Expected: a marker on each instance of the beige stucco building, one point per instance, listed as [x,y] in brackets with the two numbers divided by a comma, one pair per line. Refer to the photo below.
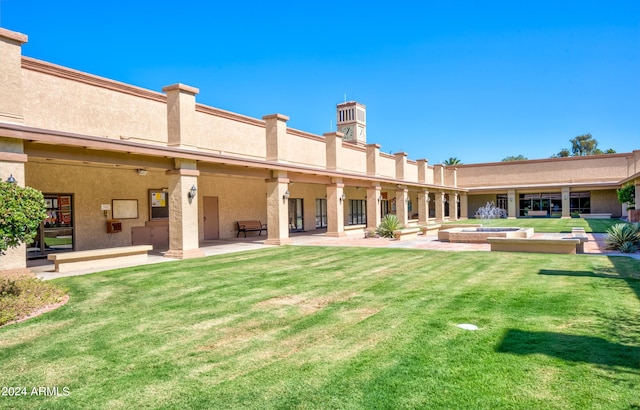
[121,165]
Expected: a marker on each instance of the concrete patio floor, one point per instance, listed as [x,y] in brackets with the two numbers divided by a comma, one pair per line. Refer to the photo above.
[44,269]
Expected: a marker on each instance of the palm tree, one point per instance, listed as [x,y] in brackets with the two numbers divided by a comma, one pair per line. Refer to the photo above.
[452,161]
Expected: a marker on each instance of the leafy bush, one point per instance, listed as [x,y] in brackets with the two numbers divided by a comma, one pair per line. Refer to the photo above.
[627,194]
[623,237]
[388,224]
[21,212]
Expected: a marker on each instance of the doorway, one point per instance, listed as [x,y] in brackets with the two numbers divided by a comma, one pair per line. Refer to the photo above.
[296,215]
[211,218]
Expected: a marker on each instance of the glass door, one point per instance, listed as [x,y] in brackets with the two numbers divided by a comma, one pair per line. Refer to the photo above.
[56,233]
[296,215]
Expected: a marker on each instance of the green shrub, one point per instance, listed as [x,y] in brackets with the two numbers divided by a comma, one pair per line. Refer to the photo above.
[623,237]
[21,212]
[388,224]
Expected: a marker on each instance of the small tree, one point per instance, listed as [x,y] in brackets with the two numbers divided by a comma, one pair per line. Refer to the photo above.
[514,158]
[21,212]
[452,161]
[584,145]
[627,194]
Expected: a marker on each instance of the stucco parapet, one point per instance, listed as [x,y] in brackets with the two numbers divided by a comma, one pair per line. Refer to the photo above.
[303,134]
[13,36]
[217,112]
[548,160]
[355,147]
[335,134]
[373,146]
[279,117]
[400,154]
[181,87]
[43,67]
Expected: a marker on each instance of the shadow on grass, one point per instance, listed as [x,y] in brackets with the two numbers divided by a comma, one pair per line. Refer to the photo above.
[585,349]
[624,268]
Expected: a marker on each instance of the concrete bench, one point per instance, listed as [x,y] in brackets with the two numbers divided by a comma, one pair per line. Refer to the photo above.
[603,215]
[430,229]
[580,234]
[406,233]
[537,213]
[68,261]
[537,245]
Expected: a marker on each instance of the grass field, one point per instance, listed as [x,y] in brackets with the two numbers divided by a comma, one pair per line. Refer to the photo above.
[329,327]
[549,224]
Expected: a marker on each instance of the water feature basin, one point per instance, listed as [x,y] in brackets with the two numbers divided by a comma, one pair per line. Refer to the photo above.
[480,235]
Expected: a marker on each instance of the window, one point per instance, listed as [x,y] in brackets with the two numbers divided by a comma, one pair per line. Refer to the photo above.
[580,203]
[357,212]
[321,213]
[56,233]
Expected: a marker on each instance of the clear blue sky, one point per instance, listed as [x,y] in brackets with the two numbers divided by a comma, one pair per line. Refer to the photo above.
[476,80]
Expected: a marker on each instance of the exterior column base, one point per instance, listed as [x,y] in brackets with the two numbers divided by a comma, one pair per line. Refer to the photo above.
[336,234]
[565,217]
[278,241]
[184,254]
[511,217]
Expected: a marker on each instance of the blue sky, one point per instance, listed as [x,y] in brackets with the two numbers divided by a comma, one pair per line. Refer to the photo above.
[476,80]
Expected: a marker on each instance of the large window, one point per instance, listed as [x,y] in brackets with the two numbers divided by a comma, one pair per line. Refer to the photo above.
[543,204]
[580,203]
[357,212]
[321,213]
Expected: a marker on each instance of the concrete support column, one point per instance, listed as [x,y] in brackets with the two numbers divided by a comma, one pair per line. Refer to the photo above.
[401,165]
[373,153]
[423,207]
[11,91]
[181,116]
[566,202]
[373,206]
[453,206]
[439,206]
[278,209]
[183,211]
[424,176]
[402,197]
[438,174]
[335,208]
[12,160]
[333,143]
[512,212]
[464,206]
[276,137]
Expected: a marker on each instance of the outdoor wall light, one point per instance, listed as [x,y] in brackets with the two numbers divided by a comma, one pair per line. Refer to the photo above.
[192,193]
[427,198]
[142,172]
[407,199]
[565,197]
[379,198]
[286,195]
[342,198]
[11,179]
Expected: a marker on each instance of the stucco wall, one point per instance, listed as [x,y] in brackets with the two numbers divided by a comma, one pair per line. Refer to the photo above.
[239,199]
[225,136]
[64,105]
[306,151]
[557,170]
[354,159]
[606,201]
[91,187]
[411,172]
[386,166]
[477,201]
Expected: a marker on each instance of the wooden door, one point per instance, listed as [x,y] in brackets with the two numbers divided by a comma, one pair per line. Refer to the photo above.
[211,218]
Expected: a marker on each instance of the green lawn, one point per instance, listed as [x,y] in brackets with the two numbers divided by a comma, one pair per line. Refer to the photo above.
[549,224]
[328,327]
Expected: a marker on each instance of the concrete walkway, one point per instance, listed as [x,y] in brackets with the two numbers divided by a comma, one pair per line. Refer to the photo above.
[44,268]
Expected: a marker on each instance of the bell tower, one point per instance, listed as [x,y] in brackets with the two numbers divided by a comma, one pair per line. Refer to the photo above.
[352,121]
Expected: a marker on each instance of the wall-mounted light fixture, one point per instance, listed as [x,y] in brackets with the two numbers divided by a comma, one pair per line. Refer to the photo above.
[142,172]
[566,197]
[510,199]
[286,195]
[407,199]
[379,198]
[427,198]
[11,179]
[192,193]
[342,198]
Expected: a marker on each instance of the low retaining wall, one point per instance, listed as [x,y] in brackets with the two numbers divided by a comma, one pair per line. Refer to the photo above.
[560,246]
